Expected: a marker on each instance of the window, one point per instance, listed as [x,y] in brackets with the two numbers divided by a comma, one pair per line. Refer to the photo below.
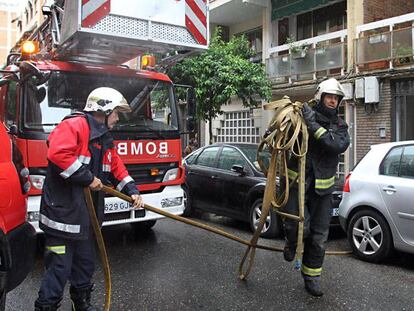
[407,162]
[11,104]
[191,158]
[317,22]
[391,164]
[207,157]
[229,157]
[237,127]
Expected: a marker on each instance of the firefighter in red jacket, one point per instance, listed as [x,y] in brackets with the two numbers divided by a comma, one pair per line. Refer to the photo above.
[81,154]
[328,138]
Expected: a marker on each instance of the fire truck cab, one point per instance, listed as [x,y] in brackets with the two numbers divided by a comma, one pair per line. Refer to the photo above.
[82,46]
[17,237]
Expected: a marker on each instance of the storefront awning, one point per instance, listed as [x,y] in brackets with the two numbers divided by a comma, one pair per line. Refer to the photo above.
[283,8]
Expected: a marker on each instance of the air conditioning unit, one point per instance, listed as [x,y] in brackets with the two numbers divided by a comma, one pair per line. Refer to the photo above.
[359,88]
[371,90]
[367,89]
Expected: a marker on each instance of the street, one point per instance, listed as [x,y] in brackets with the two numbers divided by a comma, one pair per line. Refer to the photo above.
[178,267]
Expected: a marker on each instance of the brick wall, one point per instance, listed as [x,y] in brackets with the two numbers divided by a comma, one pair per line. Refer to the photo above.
[367,125]
[380,9]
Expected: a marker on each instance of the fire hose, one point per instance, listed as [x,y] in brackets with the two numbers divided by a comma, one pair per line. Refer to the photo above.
[287,133]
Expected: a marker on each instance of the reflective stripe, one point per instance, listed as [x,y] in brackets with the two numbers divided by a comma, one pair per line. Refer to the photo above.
[123,182]
[324,183]
[84,159]
[292,174]
[90,7]
[58,225]
[60,250]
[310,271]
[319,132]
[71,169]
[106,167]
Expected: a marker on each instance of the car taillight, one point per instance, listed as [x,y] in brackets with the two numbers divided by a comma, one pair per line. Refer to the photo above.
[347,188]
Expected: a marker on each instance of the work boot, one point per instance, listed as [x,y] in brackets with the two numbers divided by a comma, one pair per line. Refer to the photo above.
[47,307]
[289,252]
[313,285]
[81,299]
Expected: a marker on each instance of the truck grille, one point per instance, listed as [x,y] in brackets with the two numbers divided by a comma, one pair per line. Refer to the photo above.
[124,215]
[141,173]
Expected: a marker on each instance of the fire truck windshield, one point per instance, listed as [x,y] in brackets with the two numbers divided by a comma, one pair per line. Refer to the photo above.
[152,102]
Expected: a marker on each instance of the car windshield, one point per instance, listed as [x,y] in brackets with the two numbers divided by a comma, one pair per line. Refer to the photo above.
[152,102]
[250,151]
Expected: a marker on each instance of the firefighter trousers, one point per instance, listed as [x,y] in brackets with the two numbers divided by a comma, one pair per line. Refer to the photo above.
[66,260]
[318,214]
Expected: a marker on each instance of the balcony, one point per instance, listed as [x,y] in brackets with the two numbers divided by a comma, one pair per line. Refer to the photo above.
[308,59]
[385,44]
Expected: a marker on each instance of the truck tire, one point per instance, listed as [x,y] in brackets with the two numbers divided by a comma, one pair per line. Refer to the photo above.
[272,226]
[144,225]
[370,236]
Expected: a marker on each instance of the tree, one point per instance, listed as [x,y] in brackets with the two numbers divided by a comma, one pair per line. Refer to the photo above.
[224,70]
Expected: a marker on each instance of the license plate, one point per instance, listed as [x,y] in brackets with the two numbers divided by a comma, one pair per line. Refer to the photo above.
[116,206]
[335,211]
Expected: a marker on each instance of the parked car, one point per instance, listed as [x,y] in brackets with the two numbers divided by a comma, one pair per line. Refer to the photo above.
[377,209]
[17,237]
[225,179]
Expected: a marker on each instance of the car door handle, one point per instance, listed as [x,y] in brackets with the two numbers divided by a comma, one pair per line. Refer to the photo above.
[214,177]
[389,188]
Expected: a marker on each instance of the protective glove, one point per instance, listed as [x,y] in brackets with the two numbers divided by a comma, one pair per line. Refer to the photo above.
[308,114]
[310,118]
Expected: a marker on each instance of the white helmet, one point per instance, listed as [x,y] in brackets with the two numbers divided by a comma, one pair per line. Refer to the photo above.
[106,99]
[330,86]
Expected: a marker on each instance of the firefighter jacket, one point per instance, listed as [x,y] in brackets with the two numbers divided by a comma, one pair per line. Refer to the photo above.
[79,149]
[328,138]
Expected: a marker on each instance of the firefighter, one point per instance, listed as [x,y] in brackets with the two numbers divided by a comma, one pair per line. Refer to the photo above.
[81,154]
[328,138]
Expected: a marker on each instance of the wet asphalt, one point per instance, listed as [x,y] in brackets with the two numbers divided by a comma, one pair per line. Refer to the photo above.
[178,267]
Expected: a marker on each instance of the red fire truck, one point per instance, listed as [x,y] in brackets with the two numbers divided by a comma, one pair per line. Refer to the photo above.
[83,45]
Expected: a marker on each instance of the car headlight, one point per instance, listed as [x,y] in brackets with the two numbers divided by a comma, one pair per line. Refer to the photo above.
[171,174]
[37,181]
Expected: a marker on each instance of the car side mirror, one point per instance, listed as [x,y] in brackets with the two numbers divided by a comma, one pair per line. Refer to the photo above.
[239,169]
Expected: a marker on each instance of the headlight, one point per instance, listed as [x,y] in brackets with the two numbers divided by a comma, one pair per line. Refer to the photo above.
[171,175]
[37,181]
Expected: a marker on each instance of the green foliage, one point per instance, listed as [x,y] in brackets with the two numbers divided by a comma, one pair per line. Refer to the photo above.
[224,70]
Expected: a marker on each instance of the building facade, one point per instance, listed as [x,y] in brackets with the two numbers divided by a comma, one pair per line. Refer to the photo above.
[367,45]
[8,31]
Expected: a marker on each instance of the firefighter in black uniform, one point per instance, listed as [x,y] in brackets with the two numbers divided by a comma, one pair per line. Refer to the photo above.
[328,138]
[81,154]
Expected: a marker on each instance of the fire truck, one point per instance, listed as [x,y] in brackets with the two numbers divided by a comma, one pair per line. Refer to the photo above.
[83,45]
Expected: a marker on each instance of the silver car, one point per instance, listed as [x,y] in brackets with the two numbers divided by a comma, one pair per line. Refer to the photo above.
[377,207]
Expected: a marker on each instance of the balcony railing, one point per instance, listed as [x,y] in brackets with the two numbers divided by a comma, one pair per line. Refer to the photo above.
[304,59]
[379,45]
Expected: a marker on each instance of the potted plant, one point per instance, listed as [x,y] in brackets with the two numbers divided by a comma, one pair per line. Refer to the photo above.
[403,54]
[297,51]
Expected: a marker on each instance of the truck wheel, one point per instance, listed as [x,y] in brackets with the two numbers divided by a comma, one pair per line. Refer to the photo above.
[369,236]
[144,225]
[188,209]
[271,227]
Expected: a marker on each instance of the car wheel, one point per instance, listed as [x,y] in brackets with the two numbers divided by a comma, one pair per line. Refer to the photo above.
[271,227]
[370,236]
[188,208]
